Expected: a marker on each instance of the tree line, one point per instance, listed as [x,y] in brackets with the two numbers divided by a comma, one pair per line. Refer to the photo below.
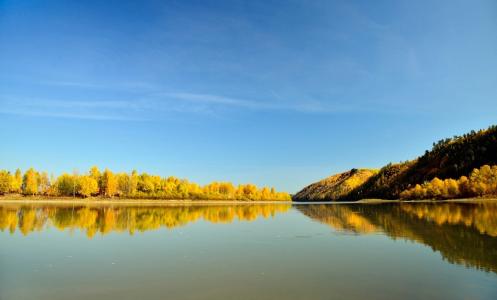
[481,182]
[128,185]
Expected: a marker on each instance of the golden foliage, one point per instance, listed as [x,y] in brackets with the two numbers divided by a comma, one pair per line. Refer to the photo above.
[87,186]
[5,181]
[30,182]
[109,183]
[481,182]
[134,185]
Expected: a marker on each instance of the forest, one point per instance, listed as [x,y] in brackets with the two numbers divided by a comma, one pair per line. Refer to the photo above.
[128,185]
[481,182]
[449,158]
[455,167]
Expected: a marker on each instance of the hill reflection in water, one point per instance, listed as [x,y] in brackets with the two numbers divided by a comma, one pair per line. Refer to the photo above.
[463,233]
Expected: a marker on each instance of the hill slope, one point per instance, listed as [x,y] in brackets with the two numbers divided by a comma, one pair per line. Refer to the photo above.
[449,158]
[334,187]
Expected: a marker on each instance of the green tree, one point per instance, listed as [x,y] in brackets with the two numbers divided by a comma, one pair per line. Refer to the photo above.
[65,184]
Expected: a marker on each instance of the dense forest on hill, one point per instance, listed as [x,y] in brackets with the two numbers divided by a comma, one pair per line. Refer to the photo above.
[132,185]
[450,158]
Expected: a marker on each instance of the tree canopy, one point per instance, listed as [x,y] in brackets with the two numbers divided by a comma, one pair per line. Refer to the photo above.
[481,182]
[130,185]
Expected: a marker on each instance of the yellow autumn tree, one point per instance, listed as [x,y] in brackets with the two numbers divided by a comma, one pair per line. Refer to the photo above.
[88,186]
[30,182]
[109,183]
[16,182]
[123,184]
[95,174]
[5,181]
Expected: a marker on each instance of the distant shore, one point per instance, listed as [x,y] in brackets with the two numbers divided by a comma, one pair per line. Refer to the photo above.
[373,201]
[428,200]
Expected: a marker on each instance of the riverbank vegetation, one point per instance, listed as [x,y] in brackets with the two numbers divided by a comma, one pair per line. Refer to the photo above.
[481,182]
[128,185]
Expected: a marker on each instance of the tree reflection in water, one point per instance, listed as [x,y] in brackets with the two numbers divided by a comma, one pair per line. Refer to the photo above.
[101,219]
[463,233]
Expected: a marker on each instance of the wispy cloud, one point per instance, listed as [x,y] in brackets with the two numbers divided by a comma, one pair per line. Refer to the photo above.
[216,100]
[69,109]
[151,101]
[85,104]
[83,116]
[123,85]
[162,105]
[307,106]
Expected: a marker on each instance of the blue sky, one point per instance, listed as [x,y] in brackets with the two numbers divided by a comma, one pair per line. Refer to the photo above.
[280,93]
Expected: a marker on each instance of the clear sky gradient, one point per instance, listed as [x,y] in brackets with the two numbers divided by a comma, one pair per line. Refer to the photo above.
[279,93]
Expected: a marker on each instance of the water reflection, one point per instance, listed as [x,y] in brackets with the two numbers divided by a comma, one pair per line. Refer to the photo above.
[464,233]
[98,219]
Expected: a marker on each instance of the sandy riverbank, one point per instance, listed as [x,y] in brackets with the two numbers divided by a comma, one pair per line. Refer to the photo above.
[120,201]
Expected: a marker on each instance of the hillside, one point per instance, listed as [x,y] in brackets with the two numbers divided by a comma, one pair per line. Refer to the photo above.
[449,158]
[335,187]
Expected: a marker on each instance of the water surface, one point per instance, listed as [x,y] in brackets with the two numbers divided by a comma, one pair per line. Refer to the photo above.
[264,251]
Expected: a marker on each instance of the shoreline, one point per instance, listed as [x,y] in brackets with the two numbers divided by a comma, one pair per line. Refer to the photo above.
[128,202]
[6,200]
[380,201]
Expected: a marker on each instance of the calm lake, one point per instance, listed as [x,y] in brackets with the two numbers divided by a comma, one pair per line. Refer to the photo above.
[250,251]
